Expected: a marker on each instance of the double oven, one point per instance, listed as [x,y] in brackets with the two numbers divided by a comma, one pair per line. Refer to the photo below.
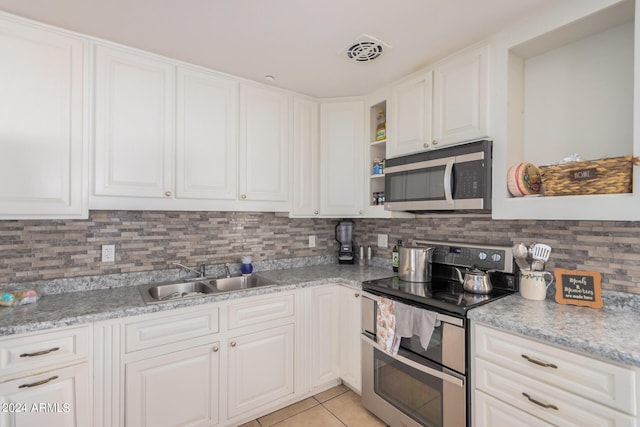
[429,387]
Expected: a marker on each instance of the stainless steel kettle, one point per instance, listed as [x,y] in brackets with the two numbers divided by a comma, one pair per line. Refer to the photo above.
[475,281]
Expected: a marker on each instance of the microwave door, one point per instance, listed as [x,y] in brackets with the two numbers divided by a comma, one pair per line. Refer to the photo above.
[421,185]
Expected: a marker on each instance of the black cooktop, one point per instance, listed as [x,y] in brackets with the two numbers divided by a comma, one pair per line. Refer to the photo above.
[443,295]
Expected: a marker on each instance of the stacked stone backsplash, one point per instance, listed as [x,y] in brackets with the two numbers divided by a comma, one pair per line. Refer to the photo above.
[609,247]
[150,240]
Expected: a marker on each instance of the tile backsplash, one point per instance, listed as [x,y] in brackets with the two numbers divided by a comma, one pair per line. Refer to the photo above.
[609,247]
[151,240]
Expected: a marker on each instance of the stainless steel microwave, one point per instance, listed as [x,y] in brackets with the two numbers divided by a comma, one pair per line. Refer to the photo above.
[456,178]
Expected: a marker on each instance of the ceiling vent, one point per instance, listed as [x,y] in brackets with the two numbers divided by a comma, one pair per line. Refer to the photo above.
[365,48]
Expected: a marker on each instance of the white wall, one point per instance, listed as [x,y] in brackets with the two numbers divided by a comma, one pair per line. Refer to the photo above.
[573,105]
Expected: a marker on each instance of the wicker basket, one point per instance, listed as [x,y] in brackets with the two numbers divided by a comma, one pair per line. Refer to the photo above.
[604,176]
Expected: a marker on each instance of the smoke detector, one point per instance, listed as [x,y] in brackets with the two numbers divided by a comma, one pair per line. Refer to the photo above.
[364,49]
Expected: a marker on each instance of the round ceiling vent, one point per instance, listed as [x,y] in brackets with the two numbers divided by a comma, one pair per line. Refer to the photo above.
[364,51]
[365,48]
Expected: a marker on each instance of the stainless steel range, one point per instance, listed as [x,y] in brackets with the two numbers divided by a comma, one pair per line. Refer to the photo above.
[428,387]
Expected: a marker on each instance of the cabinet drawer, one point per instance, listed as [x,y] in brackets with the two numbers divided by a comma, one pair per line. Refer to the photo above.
[170,329]
[260,310]
[491,412]
[552,404]
[34,352]
[592,379]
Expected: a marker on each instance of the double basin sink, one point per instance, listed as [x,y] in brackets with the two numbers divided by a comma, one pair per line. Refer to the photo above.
[193,288]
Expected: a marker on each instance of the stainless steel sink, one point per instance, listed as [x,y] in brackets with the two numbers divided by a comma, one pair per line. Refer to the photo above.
[162,292]
[235,283]
[171,291]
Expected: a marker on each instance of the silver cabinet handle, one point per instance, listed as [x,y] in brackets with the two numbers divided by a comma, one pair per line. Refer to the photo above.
[39,382]
[539,362]
[233,343]
[316,212]
[537,402]
[215,349]
[40,353]
[425,145]
[434,142]
[357,295]
[167,193]
[243,196]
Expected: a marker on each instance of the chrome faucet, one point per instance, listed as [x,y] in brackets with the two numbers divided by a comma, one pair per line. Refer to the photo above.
[200,271]
[226,270]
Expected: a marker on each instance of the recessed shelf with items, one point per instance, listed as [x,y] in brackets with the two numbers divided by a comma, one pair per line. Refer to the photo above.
[563,84]
[377,153]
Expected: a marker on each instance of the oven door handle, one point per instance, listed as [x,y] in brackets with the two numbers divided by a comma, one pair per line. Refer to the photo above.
[422,368]
[441,317]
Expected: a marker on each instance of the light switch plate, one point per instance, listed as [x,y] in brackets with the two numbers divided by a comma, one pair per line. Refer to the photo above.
[383,240]
[108,253]
[312,241]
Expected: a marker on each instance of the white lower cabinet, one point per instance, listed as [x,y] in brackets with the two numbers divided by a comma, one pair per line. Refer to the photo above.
[350,329]
[44,379]
[56,398]
[175,389]
[325,329]
[261,369]
[519,378]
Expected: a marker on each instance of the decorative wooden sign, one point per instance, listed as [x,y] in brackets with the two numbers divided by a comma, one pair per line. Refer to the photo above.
[578,287]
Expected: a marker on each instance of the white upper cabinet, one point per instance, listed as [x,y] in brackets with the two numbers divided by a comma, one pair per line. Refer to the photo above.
[409,117]
[341,154]
[305,200]
[134,116]
[43,147]
[206,143]
[460,97]
[264,144]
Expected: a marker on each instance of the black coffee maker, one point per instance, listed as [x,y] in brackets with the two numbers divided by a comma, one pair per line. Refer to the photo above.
[344,236]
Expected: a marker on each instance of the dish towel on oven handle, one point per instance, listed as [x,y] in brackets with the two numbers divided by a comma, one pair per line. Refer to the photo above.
[386,326]
[412,321]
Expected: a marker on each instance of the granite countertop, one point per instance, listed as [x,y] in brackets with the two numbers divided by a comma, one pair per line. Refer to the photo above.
[92,305]
[611,333]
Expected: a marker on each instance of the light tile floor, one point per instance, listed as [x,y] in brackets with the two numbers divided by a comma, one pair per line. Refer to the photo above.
[338,406]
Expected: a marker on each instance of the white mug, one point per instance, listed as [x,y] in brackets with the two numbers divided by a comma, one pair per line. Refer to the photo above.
[533,284]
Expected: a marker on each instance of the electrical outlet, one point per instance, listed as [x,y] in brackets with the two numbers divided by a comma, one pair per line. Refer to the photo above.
[383,240]
[108,253]
[312,241]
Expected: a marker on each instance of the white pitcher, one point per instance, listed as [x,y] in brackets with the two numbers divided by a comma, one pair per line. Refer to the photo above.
[534,284]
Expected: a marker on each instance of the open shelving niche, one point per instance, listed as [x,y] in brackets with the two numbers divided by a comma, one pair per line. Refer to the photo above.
[563,83]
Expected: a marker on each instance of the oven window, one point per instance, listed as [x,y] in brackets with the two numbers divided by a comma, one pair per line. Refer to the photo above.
[417,394]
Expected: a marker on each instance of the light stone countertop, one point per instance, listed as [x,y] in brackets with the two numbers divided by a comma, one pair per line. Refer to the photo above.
[92,305]
[611,333]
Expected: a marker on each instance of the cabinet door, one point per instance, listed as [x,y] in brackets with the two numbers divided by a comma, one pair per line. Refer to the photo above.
[43,151]
[260,368]
[134,118]
[460,98]
[306,158]
[342,151]
[264,144]
[206,142]
[325,329]
[58,398]
[409,118]
[176,389]
[350,363]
